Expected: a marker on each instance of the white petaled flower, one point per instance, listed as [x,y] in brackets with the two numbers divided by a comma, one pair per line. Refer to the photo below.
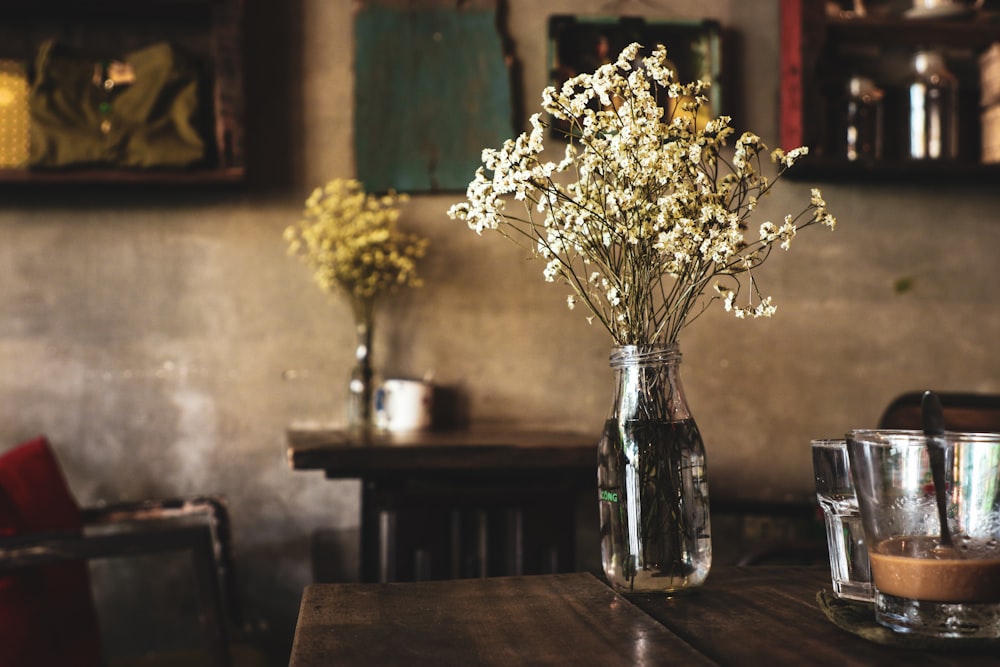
[647,207]
[787,233]
[816,198]
[768,232]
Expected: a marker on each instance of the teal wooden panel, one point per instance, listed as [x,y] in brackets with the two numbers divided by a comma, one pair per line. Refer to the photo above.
[432,89]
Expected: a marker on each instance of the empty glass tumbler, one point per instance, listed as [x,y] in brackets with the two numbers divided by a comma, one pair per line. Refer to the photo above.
[849,568]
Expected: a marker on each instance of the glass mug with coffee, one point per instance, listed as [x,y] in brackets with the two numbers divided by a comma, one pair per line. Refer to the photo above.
[923,585]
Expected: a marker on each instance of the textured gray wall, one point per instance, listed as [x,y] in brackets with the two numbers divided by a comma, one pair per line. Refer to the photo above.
[164,341]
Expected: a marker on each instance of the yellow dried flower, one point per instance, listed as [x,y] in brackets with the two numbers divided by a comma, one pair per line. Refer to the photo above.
[350,240]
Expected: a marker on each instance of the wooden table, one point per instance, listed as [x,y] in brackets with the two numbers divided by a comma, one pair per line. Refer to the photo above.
[487,501]
[741,616]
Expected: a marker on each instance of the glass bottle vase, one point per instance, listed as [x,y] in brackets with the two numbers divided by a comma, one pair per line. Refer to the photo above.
[652,478]
[361,387]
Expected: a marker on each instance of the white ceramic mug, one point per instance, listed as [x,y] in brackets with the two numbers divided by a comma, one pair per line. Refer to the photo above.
[404,405]
[940,5]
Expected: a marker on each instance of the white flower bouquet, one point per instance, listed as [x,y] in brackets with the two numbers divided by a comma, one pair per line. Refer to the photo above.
[645,216]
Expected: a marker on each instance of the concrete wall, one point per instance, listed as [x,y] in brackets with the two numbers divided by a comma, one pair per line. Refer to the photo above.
[164,341]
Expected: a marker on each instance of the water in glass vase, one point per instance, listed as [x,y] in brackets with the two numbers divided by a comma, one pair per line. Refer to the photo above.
[653,495]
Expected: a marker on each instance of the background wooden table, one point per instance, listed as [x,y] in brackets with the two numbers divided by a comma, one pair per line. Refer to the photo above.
[487,501]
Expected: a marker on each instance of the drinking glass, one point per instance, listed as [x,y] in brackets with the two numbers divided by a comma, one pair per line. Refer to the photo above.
[849,568]
[923,586]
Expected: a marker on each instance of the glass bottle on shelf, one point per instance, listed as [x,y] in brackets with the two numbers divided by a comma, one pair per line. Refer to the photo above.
[932,109]
[864,119]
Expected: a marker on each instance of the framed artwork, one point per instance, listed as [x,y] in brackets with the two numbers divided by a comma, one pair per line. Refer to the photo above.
[580,44]
[432,89]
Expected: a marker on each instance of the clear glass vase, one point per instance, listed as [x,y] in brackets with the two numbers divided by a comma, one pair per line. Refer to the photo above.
[652,479]
[361,387]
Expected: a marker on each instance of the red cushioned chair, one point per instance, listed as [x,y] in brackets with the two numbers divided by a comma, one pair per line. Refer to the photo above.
[47,612]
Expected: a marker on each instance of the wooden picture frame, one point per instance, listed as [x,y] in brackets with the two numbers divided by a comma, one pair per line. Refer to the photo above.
[580,44]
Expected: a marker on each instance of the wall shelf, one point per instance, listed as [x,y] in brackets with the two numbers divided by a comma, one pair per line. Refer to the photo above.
[821,51]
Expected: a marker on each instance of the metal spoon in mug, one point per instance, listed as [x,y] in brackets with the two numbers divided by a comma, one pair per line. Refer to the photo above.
[933,419]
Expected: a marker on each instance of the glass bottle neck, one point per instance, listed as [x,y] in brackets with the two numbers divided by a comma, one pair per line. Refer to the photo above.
[364,326]
[645,355]
[648,384]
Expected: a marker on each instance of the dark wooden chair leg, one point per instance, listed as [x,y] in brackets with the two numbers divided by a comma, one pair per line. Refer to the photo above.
[212,617]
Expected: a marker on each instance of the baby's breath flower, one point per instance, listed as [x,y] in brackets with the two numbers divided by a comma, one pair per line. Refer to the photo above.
[645,209]
[768,232]
[816,198]
[787,232]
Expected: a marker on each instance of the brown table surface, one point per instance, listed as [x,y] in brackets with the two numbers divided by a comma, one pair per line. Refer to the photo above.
[741,616]
[484,447]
